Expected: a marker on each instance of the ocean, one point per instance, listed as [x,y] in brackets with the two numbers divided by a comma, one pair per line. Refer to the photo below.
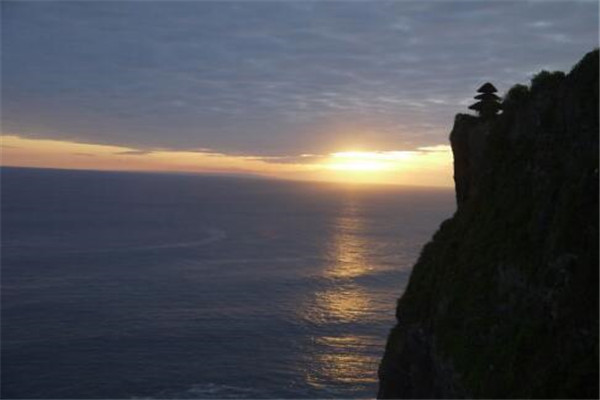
[141,285]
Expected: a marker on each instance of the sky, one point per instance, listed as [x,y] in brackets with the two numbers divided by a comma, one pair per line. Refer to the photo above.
[361,91]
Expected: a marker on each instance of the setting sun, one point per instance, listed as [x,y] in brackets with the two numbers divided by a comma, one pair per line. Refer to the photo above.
[422,166]
[365,161]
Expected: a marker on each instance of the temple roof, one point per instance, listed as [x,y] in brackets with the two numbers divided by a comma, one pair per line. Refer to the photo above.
[487,88]
[487,96]
[480,105]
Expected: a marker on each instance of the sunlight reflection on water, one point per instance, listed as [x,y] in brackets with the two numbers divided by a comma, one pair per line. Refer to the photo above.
[345,358]
[348,245]
[341,305]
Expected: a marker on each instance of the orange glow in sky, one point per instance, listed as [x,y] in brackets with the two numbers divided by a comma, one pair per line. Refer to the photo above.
[363,161]
[425,166]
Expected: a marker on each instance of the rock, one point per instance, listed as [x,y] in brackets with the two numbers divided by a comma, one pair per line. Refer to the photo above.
[503,301]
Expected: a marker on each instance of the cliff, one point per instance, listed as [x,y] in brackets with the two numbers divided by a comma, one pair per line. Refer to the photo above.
[503,302]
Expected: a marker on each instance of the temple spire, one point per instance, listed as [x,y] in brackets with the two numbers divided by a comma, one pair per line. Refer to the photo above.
[487,88]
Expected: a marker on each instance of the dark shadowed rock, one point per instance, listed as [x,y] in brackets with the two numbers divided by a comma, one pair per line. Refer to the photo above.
[503,301]
[468,139]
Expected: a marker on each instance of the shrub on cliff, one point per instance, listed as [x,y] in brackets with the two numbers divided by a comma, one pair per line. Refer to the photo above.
[516,98]
[517,95]
[546,80]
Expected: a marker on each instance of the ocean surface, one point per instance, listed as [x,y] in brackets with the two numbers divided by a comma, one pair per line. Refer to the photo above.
[132,285]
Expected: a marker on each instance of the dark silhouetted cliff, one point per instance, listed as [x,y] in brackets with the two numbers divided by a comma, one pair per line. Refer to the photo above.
[503,302]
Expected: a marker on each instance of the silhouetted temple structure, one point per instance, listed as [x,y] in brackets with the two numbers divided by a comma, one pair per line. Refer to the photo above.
[488,104]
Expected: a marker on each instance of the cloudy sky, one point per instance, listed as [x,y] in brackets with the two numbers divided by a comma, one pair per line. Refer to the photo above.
[271,78]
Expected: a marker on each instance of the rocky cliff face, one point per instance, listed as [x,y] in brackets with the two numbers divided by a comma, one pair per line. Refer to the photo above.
[503,302]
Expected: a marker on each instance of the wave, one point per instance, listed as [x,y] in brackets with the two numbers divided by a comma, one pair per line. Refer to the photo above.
[212,236]
[210,391]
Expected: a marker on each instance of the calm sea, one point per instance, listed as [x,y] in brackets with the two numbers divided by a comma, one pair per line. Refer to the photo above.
[125,285]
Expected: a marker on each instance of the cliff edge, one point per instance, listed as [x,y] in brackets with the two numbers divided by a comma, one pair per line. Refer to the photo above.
[503,302]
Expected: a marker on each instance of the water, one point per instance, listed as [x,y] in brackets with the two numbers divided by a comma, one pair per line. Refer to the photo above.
[122,285]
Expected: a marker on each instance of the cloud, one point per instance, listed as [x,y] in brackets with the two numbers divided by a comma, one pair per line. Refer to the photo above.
[271,78]
[296,159]
[133,152]
[436,148]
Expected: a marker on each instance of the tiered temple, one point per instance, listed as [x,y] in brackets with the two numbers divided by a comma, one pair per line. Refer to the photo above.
[488,104]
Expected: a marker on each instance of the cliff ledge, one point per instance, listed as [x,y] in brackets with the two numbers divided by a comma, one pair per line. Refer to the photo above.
[503,302]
